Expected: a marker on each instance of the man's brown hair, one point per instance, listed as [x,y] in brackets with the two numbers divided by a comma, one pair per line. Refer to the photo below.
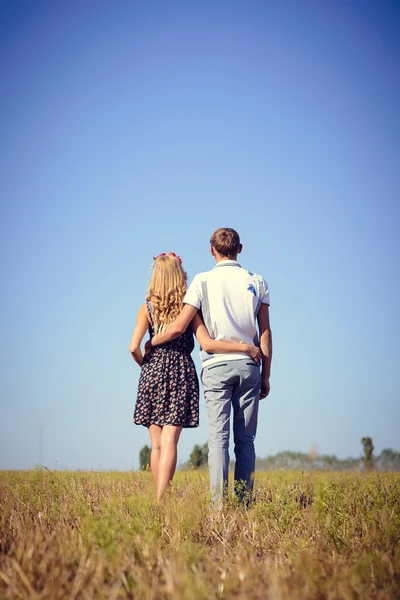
[226,241]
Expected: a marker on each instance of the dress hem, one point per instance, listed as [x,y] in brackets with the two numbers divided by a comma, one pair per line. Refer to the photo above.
[166,424]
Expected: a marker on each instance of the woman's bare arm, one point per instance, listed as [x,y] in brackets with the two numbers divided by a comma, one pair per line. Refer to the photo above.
[139,332]
[218,346]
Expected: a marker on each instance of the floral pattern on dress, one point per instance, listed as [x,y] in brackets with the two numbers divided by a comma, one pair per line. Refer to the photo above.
[168,391]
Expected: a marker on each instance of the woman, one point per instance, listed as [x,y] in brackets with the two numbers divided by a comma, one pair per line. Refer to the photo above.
[168,392]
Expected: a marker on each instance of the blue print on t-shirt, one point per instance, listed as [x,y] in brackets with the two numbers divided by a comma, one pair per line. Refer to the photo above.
[251,288]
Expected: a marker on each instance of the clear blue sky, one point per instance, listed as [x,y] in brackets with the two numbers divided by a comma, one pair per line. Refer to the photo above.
[131,128]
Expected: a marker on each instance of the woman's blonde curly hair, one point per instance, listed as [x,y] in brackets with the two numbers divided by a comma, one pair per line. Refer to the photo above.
[166,290]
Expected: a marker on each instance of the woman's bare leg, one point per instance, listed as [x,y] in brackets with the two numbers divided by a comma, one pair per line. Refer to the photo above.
[169,454]
[155,438]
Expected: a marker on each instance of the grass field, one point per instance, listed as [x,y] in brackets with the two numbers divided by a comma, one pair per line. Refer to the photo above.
[101,535]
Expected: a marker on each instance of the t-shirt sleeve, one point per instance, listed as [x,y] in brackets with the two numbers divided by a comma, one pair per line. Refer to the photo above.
[265,297]
[193,296]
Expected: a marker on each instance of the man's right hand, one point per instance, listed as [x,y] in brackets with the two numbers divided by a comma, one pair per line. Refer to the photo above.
[265,387]
[147,347]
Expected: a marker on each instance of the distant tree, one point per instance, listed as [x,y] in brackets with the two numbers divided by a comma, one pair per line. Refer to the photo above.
[368,451]
[389,460]
[195,457]
[289,460]
[199,456]
[144,458]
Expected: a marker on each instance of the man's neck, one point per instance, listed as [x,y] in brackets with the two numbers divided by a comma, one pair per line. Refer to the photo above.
[219,259]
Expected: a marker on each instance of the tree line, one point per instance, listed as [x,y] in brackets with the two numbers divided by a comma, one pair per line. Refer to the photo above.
[387,460]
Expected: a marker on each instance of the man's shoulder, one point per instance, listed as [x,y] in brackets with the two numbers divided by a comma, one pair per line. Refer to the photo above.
[214,274]
[253,275]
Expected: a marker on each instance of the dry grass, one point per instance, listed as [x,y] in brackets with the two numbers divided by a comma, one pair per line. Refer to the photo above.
[101,535]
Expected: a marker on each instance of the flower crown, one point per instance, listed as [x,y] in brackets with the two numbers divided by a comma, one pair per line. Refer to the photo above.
[168,254]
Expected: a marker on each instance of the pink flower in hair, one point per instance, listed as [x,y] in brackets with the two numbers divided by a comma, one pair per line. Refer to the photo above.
[169,254]
[162,254]
[176,256]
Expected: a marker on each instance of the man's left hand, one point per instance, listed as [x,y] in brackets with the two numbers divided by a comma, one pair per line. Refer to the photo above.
[265,387]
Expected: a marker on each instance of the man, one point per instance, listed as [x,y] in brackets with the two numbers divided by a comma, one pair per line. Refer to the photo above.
[231,300]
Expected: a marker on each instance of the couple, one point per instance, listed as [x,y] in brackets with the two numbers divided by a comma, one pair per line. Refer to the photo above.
[222,308]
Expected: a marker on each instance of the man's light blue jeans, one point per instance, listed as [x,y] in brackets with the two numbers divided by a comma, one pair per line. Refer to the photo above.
[231,385]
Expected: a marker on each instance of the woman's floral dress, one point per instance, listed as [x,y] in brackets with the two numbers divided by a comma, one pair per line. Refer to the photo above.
[168,392]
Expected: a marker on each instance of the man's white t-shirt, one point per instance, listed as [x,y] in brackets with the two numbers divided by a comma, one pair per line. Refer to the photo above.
[229,298]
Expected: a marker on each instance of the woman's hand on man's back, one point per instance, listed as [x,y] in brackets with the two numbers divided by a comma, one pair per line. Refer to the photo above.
[254,352]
